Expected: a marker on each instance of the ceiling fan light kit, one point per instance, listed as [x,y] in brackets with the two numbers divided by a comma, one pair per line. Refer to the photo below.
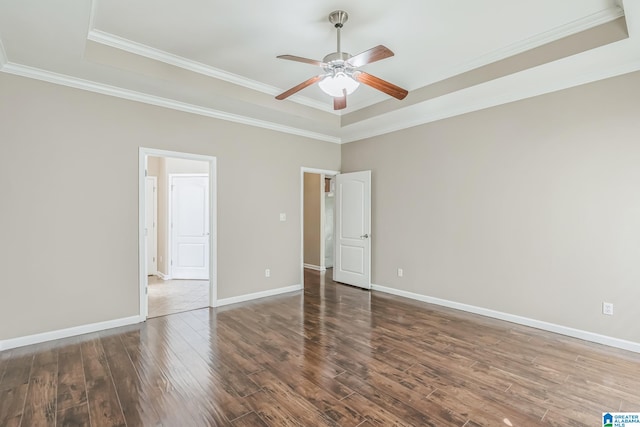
[339,83]
[341,75]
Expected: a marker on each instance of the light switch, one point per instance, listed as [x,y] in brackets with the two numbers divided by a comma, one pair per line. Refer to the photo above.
[283,217]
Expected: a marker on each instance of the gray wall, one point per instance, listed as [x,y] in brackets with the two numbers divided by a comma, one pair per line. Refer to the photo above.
[69,217]
[530,208]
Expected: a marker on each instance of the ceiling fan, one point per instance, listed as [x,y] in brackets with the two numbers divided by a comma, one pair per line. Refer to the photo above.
[341,70]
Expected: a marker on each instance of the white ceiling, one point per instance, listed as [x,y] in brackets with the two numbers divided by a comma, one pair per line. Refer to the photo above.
[218,58]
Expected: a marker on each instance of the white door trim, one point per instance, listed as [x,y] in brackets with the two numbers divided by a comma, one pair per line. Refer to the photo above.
[154,229]
[303,169]
[213,230]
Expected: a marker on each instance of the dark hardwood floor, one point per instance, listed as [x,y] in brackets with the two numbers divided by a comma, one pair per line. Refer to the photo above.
[334,355]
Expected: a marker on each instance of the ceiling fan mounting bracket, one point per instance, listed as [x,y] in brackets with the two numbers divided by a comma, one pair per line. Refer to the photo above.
[338,18]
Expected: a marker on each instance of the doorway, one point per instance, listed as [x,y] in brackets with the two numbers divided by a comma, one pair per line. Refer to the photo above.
[185,264]
[317,204]
[352,226]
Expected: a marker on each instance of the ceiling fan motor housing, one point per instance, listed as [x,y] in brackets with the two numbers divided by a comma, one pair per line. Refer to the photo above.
[336,62]
[336,57]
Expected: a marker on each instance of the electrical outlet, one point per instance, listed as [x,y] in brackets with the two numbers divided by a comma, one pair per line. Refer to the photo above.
[283,217]
[607,308]
[267,273]
[400,272]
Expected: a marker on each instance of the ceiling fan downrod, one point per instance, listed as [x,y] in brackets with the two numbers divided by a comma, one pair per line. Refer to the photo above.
[338,18]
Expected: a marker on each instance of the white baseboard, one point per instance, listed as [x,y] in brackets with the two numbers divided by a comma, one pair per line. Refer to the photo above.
[163,276]
[68,332]
[538,324]
[256,295]
[314,267]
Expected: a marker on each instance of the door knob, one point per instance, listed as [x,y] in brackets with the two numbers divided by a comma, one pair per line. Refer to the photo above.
[364,236]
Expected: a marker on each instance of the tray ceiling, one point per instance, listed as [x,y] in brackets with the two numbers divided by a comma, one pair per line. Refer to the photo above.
[219,58]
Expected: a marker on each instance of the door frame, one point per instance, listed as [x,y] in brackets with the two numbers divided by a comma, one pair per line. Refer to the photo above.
[170,215]
[143,154]
[154,180]
[303,170]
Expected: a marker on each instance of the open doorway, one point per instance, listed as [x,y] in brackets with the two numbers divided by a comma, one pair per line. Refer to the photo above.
[317,213]
[351,237]
[177,244]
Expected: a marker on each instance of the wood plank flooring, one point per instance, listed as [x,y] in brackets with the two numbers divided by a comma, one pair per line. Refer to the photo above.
[332,355]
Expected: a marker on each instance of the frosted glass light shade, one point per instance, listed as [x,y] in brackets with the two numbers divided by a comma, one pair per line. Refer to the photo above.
[333,85]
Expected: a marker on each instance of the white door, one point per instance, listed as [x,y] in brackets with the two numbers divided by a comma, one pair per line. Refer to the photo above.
[151,224]
[352,260]
[189,227]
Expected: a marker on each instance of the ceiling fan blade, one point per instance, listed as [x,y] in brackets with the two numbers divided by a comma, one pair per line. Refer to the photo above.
[340,102]
[381,85]
[301,86]
[368,56]
[301,59]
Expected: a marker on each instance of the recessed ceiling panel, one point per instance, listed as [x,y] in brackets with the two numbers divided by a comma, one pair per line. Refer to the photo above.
[218,58]
[431,39]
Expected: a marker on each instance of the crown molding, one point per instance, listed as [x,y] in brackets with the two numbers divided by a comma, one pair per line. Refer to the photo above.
[557,33]
[554,34]
[593,20]
[92,14]
[457,103]
[554,76]
[74,82]
[117,42]
[535,41]
[478,98]
[3,56]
